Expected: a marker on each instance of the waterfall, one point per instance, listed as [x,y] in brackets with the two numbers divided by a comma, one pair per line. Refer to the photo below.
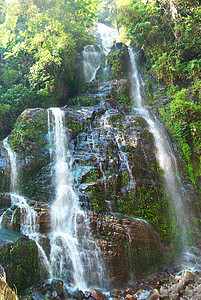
[165,155]
[92,58]
[72,258]
[93,54]
[28,216]
[13,167]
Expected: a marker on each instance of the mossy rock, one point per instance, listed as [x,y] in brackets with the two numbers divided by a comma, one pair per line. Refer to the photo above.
[129,246]
[118,60]
[27,137]
[29,140]
[19,257]
[5,200]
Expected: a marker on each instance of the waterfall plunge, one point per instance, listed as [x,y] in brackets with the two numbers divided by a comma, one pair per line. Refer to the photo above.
[165,155]
[74,255]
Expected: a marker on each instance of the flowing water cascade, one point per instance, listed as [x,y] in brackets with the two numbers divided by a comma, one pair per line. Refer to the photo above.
[92,58]
[93,54]
[74,255]
[120,142]
[28,216]
[166,156]
[28,222]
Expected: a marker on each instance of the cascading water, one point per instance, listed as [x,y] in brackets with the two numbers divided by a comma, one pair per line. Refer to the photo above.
[165,154]
[93,54]
[92,57]
[28,216]
[72,258]
[13,167]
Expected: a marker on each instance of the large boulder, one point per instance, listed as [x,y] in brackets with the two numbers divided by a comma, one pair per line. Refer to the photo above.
[19,258]
[129,246]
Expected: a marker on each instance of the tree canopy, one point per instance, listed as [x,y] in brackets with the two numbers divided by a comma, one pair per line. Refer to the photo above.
[40,44]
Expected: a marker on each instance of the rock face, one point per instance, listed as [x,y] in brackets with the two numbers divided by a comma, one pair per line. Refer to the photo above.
[129,246]
[117,178]
[19,257]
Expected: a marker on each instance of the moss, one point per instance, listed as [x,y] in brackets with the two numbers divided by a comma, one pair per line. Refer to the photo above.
[28,133]
[150,203]
[92,176]
[75,125]
[20,261]
[144,259]
[117,60]
[96,195]
[28,140]
[84,100]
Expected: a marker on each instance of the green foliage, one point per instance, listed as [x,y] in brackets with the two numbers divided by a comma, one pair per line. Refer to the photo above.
[40,43]
[169,33]
[183,118]
[117,60]
[84,100]
[28,130]
[107,12]
[12,103]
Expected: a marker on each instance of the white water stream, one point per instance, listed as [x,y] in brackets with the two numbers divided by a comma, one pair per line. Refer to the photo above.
[74,255]
[28,216]
[165,155]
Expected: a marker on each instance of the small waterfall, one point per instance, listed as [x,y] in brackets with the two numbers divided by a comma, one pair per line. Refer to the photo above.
[134,78]
[13,167]
[92,58]
[93,54]
[165,154]
[28,216]
[74,255]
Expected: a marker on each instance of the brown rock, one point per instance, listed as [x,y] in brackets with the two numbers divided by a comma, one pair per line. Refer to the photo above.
[130,297]
[97,294]
[128,245]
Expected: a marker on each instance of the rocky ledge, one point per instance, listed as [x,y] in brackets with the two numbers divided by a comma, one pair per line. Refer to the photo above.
[163,285]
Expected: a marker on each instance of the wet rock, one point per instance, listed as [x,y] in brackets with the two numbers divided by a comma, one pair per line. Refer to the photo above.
[97,294]
[57,286]
[37,296]
[5,200]
[44,219]
[79,295]
[125,242]
[19,257]
[11,219]
[130,297]
[185,276]
[142,294]
[154,295]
